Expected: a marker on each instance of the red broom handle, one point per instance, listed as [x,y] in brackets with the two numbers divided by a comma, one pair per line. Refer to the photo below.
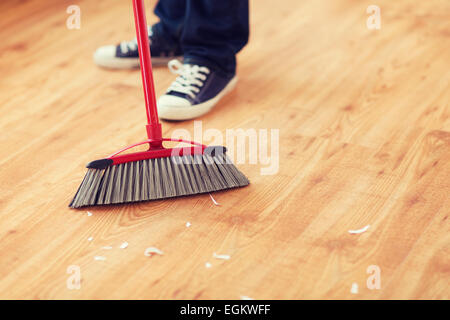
[154,131]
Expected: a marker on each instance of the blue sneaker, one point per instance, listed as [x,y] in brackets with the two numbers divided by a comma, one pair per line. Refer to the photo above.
[196,90]
[125,55]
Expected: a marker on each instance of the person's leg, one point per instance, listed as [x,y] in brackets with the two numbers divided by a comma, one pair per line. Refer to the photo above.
[215,31]
[164,40]
[171,14]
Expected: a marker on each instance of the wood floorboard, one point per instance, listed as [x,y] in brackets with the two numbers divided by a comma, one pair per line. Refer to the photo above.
[364,139]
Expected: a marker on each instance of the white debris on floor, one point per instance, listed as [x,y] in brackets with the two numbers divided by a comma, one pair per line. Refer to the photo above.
[150,251]
[107,248]
[246,298]
[99,258]
[214,200]
[188,224]
[221,256]
[90,238]
[89,213]
[354,288]
[359,230]
[208,265]
[124,245]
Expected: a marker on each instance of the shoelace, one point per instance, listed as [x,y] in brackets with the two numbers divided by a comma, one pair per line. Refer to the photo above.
[132,45]
[190,77]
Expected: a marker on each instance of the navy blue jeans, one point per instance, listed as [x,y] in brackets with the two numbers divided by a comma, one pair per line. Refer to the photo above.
[209,32]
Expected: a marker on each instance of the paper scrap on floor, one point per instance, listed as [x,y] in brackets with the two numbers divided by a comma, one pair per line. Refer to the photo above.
[354,288]
[221,256]
[99,258]
[150,251]
[214,200]
[359,230]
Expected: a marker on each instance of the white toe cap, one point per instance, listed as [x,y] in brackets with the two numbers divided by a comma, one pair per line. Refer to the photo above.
[106,57]
[169,101]
[105,52]
[173,107]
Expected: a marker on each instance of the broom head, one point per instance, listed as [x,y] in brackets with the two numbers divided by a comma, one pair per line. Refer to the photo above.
[157,174]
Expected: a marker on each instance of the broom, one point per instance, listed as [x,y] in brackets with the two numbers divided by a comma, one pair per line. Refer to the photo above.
[159,172]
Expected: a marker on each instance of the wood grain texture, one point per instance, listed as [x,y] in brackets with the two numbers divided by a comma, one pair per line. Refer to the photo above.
[364,119]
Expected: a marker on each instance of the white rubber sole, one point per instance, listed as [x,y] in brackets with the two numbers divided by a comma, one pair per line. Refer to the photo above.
[172,112]
[105,57]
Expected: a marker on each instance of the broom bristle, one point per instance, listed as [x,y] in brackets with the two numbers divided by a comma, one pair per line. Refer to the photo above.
[158,179]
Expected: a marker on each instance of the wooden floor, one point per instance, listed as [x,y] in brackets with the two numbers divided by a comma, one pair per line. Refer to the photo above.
[364,120]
